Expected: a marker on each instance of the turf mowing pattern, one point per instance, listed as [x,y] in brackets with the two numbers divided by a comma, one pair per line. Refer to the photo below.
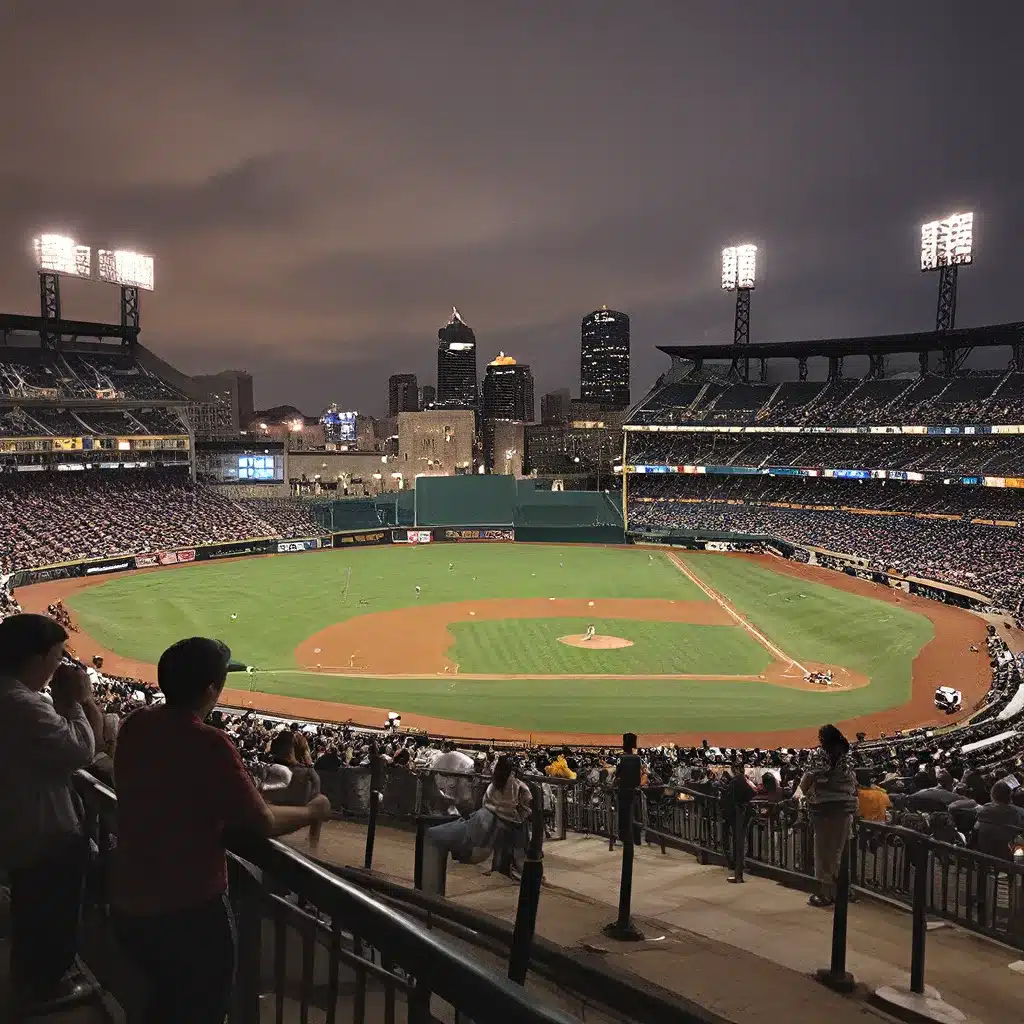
[282,600]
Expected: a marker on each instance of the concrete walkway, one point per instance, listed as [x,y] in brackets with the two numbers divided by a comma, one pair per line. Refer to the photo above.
[736,949]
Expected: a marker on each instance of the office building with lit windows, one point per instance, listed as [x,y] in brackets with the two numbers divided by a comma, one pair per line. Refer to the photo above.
[403,393]
[508,399]
[604,359]
[456,365]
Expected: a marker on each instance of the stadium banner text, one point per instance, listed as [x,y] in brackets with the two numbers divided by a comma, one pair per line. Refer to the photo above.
[475,534]
[367,538]
[673,428]
[306,544]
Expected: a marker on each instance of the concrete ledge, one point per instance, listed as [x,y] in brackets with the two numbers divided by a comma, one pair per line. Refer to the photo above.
[910,1006]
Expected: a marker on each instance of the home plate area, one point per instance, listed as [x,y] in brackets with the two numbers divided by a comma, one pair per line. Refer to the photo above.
[595,642]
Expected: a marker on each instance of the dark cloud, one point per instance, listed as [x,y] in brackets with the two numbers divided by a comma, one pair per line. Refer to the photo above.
[321,181]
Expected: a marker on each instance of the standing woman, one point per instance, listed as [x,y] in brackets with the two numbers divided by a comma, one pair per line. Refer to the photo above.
[510,801]
[830,787]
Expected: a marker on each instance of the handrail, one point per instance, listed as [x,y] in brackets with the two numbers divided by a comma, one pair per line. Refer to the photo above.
[452,975]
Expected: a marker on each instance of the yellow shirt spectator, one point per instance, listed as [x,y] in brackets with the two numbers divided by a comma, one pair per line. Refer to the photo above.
[558,769]
[872,803]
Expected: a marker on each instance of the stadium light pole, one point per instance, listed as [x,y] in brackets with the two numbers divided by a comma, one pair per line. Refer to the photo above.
[56,256]
[132,272]
[946,245]
[739,265]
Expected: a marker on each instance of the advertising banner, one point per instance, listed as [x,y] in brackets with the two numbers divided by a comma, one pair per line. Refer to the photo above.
[234,550]
[168,557]
[188,555]
[411,536]
[310,544]
[104,567]
[146,561]
[476,534]
[361,539]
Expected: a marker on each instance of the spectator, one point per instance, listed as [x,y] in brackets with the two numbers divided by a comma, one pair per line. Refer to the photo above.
[872,800]
[510,801]
[182,785]
[997,823]
[41,842]
[830,786]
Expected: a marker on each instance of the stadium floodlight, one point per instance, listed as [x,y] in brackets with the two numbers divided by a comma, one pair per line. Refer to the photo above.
[125,268]
[739,263]
[948,242]
[58,254]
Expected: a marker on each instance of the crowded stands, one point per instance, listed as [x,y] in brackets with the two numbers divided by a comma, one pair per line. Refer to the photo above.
[47,518]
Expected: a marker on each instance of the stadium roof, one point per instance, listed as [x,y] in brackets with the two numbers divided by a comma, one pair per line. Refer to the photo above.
[16,323]
[888,344]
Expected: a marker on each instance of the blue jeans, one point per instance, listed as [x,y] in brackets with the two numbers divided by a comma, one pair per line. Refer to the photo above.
[459,838]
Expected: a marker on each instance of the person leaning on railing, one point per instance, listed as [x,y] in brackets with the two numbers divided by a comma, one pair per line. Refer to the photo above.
[181,785]
[829,786]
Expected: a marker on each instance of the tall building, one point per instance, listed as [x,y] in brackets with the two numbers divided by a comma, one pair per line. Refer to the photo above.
[223,403]
[554,406]
[403,394]
[604,359]
[508,399]
[508,390]
[456,365]
[428,396]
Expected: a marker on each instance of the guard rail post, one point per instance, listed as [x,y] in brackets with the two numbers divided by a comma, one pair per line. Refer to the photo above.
[529,894]
[919,913]
[835,976]
[623,928]
[375,798]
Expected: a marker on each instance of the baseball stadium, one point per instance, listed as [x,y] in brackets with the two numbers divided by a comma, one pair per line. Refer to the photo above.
[465,631]
[765,558]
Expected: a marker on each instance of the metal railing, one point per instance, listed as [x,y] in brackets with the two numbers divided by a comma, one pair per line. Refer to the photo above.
[307,937]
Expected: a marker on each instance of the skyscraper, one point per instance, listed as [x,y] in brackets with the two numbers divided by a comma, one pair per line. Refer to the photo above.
[604,359]
[428,396]
[456,365]
[554,406]
[508,399]
[403,394]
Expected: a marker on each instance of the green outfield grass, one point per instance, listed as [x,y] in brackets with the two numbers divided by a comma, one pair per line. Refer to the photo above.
[661,648]
[281,601]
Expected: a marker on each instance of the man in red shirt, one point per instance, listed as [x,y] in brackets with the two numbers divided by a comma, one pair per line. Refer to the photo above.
[181,785]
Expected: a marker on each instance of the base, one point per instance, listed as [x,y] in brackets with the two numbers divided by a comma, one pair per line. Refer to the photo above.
[623,933]
[907,1005]
[844,982]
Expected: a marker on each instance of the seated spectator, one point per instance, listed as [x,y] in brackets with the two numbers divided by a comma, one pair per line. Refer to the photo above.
[181,785]
[998,822]
[41,841]
[872,800]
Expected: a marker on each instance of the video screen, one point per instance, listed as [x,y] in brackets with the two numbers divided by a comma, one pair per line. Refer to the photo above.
[256,467]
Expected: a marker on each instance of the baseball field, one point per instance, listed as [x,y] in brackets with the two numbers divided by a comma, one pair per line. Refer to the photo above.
[495,640]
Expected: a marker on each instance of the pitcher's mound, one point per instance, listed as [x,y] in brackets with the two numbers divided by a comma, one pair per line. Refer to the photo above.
[597,643]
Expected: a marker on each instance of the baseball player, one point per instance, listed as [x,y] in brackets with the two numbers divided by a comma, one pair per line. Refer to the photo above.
[417,588]
[590,633]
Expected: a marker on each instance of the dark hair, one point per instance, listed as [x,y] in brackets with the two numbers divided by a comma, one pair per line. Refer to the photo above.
[833,742]
[187,669]
[282,746]
[27,636]
[502,771]
[1001,793]
[770,783]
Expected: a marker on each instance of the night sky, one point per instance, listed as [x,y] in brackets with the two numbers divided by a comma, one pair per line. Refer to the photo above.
[321,181]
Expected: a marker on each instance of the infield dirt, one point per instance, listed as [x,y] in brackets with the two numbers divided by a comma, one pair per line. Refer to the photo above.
[946,657]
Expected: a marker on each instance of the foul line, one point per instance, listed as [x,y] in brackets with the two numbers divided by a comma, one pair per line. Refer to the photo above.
[777,652]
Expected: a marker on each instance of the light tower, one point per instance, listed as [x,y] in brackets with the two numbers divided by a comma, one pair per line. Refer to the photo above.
[739,263]
[946,245]
[59,256]
[56,256]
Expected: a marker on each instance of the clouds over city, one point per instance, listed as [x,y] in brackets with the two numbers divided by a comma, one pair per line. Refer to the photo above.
[320,182]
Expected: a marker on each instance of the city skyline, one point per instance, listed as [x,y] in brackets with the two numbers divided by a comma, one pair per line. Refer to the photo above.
[527,189]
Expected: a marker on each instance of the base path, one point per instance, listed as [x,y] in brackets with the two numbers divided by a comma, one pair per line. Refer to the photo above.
[945,660]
